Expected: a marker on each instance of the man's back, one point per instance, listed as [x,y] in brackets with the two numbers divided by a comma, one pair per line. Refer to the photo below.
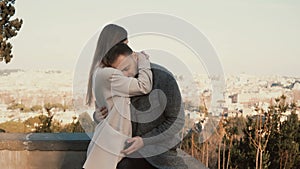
[158,118]
[164,101]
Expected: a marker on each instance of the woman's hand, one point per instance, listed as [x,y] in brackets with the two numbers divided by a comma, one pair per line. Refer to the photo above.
[136,55]
[143,52]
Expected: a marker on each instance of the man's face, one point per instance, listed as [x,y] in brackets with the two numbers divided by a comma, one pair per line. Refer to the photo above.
[127,64]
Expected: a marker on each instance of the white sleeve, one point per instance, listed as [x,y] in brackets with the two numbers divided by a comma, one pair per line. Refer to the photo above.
[128,86]
[124,86]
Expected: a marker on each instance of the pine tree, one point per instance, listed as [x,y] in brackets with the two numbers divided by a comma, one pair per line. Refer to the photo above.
[297,160]
[289,148]
[257,133]
[247,149]
[270,139]
[283,146]
[275,137]
[8,28]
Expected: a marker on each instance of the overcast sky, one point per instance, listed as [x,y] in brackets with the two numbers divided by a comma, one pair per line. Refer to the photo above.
[252,36]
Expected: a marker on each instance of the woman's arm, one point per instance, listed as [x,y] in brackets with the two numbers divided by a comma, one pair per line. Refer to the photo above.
[128,86]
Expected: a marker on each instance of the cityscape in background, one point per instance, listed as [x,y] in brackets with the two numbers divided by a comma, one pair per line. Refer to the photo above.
[247,118]
[243,93]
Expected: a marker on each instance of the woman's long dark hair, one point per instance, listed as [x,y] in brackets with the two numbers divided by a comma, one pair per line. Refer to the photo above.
[109,36]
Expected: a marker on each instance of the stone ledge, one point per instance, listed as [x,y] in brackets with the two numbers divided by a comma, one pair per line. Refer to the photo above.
[53,151]
[44,141]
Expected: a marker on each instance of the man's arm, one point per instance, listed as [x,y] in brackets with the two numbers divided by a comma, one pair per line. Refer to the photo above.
[100,113]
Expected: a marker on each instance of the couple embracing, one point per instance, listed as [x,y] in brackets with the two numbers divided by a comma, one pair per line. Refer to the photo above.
[139,111]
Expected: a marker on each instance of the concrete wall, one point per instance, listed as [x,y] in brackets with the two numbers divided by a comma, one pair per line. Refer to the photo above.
[52,151]
[43,150]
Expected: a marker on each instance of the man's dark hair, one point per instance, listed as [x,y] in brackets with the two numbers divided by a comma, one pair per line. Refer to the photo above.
[112,55]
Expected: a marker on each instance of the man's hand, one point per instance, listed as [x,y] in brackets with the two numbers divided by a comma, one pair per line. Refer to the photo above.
[137,143]
[100,113]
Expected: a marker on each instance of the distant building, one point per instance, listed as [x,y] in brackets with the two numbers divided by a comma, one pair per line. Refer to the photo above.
[234,98]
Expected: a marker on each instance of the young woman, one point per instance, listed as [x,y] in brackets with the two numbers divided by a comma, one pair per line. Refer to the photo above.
[112,84]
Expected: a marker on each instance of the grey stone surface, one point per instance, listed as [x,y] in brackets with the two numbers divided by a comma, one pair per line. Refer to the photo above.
[44,141]
[53,151]
[42,159]
[43,150]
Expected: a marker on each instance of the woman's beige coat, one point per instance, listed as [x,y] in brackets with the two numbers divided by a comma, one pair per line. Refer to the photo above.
[112,89]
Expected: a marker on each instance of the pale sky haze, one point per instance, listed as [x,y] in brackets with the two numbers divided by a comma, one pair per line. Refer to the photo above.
[249,36]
